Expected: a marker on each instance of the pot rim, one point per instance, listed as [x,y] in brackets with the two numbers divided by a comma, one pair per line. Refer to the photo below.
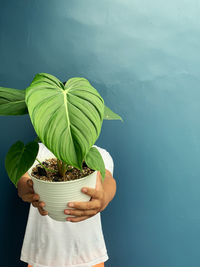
[64,182]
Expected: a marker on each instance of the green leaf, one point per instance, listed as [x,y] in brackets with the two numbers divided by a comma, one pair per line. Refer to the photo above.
[94,161]
[110,115]
[37,139]
[67,119]
[19,159]
[12,102]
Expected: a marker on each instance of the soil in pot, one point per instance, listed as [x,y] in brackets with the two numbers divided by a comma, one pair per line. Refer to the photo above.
[72,173]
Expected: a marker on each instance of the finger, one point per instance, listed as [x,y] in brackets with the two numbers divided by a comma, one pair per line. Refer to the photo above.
[80,213]
[36,197]
[29,183]
[42,211]
[37,204]
[30,197]
[94,193]
[41,204]
[88,205]
[77,219]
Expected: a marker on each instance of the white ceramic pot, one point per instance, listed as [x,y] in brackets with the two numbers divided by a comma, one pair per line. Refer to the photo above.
[56,195]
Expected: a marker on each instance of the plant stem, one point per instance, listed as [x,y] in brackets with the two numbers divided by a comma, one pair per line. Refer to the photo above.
[59,165]
[62,167]
[45,167]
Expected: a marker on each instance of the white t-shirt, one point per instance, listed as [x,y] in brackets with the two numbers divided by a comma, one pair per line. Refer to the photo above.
[49,243]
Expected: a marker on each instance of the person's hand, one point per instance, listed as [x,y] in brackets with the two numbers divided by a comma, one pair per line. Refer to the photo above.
[84,210]
[27,194]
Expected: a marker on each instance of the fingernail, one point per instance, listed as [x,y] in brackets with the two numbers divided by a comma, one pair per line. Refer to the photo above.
[67,212]
[68,219]
[71,205]
[35,198]
[84,190]
[29,182]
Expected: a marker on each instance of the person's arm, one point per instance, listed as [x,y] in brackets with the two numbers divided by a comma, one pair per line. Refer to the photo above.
[110,187]
[27,194]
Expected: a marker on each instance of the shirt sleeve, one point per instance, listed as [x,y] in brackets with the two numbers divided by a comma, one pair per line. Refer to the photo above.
[109,164]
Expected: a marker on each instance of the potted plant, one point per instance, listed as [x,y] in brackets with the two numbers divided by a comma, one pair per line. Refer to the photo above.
[67,118]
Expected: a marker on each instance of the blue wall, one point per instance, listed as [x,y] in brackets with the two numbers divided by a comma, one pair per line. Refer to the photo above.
[143,57]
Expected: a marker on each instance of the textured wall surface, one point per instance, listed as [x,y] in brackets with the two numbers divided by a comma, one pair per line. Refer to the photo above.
[143,57]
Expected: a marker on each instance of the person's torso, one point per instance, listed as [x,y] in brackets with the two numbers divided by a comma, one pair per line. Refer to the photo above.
[62,244]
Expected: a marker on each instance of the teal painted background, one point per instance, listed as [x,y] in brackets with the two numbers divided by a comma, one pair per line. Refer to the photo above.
[143,57]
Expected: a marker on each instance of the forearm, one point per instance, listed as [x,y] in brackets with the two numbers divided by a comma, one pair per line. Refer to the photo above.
[109,186]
